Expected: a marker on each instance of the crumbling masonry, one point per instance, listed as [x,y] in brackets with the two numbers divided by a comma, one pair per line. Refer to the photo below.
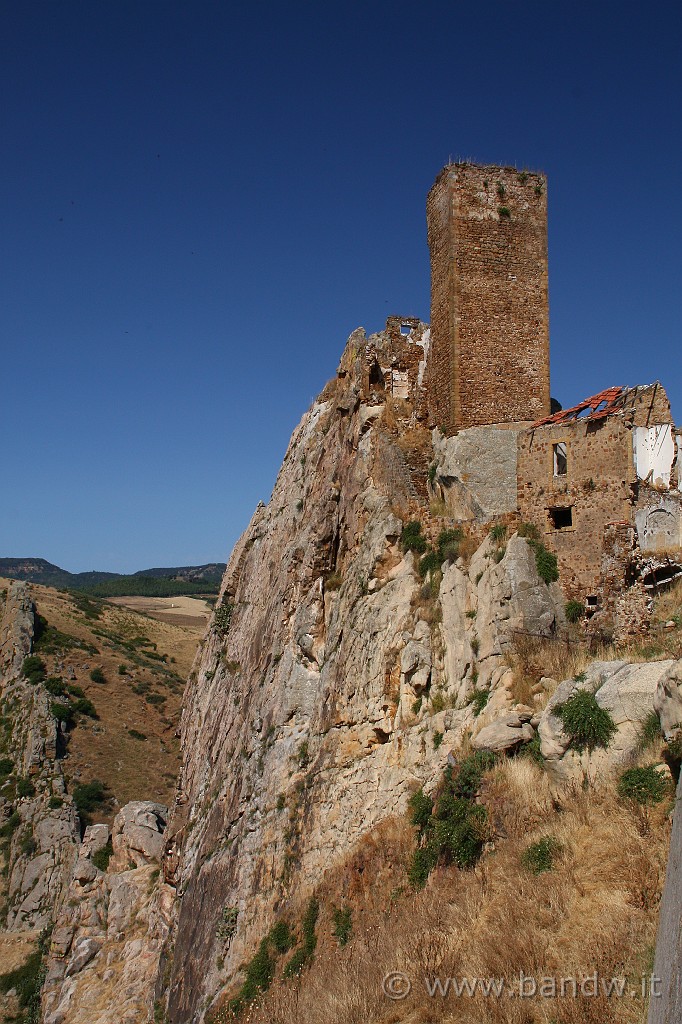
[606,472]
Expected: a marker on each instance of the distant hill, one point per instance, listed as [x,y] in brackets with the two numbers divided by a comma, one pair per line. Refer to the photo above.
[159,582]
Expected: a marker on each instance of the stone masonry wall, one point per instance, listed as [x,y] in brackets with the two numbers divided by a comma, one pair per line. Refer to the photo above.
[596,486]
[487,234]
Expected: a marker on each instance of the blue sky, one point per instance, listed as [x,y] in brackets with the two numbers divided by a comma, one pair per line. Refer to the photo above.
[200,201]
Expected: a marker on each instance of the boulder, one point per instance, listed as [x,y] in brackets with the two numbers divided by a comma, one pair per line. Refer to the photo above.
[137,834]
[668,700]
[623,689]
[504,734]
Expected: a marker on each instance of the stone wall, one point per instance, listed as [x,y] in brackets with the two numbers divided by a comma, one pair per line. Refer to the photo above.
[476,471]
[596,488]
[487,234]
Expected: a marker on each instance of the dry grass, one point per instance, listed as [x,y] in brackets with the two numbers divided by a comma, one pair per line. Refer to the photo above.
[104,749]
[595,911]
[556,658]
[669,603]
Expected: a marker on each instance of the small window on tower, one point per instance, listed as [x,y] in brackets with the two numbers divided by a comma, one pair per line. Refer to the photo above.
[560,459]
[561,518]
[405,329]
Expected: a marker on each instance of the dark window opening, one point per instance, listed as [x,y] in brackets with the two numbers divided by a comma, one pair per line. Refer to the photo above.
[592,600]
[662,576]
[560,459]
[561,518]
[376,377]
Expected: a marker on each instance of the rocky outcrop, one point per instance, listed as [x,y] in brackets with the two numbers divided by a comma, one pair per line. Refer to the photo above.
[474,471]
[668,701]
[44,825]
[627,691]
[107,940]
[505,734]
[333,680]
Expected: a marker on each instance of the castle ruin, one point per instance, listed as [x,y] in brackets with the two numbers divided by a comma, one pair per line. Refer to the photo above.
[599,483]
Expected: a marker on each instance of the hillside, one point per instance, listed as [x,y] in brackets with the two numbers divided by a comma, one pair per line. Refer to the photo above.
[157,582]
[143,665]
[375,774]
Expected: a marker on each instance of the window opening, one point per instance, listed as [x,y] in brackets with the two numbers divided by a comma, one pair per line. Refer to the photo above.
[560,459]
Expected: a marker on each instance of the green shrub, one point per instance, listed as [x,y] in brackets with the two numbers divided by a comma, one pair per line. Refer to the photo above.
[498,532]
[545,563]
[309,944]
[102,856]
[33,669]
[454,830]
[296,964]
[64,713]
[156,698]
[650,731]
[529,531]
[122,669]
[137,735]
[6,767]
[533,750]
[588,724]
[475,644]
[575,611]
[25,787]
[54,802]
[417,705]
[222,617]
[308,925]
[343,924]
[437,740]
[504,212]
[282,936]
[75,691]
[28,845]
[643,785]
[333,580]
[540,856]
[26,981]
[478,700]
[85,707]
[259,974]
[55,686]
[448,545]
[429,563]
[88,796]
[421,808]
[11,825]
[411,538]
[433,469]
[97,676]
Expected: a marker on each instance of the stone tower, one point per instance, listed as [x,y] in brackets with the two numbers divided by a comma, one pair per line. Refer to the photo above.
[487,234]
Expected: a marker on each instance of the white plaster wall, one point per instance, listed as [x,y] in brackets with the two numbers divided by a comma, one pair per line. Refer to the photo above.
[654,449]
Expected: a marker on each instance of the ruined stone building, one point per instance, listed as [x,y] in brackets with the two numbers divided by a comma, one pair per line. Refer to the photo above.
[600,482]
[487,234]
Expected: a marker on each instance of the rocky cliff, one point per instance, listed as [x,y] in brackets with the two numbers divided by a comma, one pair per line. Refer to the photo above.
[362,643]
[334,679]
[41,832]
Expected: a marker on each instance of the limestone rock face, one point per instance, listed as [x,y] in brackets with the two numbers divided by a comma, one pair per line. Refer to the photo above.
[627,692]
[137,834]
[475,471]
[43,845]
[110,930]
[332,680]
[668,701]
[506,733]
